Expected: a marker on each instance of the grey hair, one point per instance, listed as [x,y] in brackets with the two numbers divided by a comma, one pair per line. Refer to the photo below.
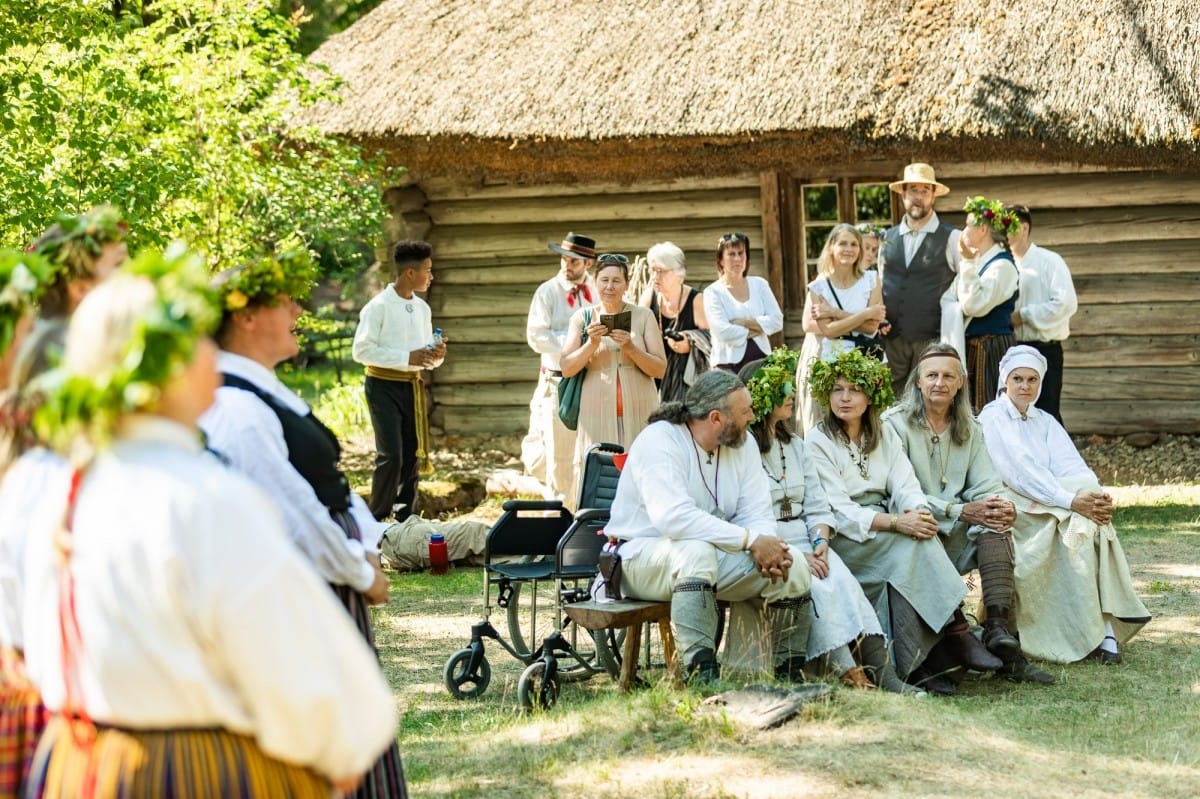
[709,393]
[913,403]
[669,255]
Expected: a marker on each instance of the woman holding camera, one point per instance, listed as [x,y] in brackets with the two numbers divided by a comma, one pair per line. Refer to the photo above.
[679,309]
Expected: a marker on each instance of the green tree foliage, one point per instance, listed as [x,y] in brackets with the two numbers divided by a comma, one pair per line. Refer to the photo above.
[323,18]
[184,114]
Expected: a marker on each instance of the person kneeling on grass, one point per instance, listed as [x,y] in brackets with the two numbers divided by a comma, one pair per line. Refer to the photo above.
[693,513]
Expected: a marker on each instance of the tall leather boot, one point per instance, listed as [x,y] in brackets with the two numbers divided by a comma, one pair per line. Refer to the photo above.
[961,645]
[874,655]
[791,621]
[995,557]
[694,617]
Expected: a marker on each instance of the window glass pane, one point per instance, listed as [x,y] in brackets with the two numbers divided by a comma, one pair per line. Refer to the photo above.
[814,240]
[873,203]
[821,203]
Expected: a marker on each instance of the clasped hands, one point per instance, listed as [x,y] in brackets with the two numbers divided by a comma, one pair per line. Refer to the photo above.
[772,556]
[1095,505]
[994,513]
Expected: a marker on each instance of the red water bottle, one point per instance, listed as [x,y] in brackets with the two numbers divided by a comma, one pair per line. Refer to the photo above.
[439,558]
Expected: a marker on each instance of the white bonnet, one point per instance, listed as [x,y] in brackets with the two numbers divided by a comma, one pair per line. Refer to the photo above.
[1021,356]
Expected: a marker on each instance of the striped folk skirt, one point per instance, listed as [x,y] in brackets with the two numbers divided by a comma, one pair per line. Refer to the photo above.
[89,763]
[983,367]
[385,780]
[22,719]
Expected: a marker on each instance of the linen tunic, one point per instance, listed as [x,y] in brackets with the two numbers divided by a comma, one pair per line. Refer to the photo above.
[968,474]
[197,611]
[919,571]
[1071,573]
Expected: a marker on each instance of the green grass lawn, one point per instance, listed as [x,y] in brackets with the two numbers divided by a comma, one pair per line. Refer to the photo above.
[1130,731]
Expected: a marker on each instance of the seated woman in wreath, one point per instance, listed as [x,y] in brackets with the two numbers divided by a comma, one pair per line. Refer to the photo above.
[1075,595]
[887,534]
[844,620]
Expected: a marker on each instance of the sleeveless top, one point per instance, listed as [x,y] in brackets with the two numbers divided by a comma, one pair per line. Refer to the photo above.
[998,321]
[313,449]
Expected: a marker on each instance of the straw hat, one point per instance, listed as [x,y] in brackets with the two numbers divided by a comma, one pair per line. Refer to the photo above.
[919,173]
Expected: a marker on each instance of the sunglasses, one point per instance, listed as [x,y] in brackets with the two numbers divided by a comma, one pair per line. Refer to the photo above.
[729,238]
[612,258]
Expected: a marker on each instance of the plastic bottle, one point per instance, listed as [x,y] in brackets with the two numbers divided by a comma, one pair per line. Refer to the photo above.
[437,339]
[439,558]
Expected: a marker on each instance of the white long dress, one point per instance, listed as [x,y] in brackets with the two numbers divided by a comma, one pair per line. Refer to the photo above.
[1072,575]
[809,410]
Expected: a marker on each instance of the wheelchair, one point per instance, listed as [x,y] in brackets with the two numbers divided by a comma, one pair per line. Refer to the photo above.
[534,544]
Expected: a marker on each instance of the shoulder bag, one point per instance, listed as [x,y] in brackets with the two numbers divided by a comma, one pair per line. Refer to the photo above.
[869,345]
[570,389]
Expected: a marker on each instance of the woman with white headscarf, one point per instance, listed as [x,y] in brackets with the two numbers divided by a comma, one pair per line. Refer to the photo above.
[1075,597]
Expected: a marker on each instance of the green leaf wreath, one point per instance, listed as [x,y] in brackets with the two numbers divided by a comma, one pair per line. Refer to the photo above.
[773,382]
[872,376]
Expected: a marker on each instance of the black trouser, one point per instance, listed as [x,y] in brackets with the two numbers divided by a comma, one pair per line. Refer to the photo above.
[1051,396]
[393,416]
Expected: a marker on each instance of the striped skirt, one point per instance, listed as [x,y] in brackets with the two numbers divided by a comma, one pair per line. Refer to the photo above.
[385,780]
[22,719]
[162,764]
[983,367]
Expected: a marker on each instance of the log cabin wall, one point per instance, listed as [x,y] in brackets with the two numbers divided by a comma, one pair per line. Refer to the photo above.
[1130,238]
[490,255]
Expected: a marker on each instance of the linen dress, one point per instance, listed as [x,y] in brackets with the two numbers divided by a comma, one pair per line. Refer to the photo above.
[1071,573]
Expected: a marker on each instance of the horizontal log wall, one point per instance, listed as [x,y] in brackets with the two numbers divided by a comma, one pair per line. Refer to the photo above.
[1131,239]
[490,255]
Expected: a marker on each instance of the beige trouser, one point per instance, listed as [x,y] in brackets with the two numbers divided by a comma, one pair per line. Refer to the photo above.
[548,450]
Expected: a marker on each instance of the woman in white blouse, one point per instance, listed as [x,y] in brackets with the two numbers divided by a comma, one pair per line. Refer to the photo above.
[742,311]
[844,620]
[886,532]
[272,436]
[183,644]
[1075,595]
[845,301]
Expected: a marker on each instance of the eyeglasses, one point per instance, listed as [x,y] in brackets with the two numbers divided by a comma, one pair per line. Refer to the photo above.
[612,258]
[729,238]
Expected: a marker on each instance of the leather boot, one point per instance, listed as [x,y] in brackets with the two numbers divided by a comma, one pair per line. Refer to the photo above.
[703,668]
[857,678]
[996,637]
[1019,669]
[790,620]
[964,648]
[872,651]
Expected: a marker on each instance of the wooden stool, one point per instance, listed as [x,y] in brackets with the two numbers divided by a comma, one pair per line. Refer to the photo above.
[628,614]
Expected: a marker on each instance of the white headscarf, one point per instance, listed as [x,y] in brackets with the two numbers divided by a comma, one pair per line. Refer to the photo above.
[1022,356]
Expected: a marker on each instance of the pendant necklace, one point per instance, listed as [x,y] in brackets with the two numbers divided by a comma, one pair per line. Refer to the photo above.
[785,505]
[712,492]
[859,458]
[935,444]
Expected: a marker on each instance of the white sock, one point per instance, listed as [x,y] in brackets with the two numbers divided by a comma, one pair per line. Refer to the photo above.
[1109,644]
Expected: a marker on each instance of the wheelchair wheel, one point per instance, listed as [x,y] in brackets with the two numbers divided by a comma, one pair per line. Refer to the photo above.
[460,681]
[534,690]
[515,634]
[570,670]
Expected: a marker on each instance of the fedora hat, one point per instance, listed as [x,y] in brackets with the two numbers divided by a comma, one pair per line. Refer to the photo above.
[575,246]
[919,173]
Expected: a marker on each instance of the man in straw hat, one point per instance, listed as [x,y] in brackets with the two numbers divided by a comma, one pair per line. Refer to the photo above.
[920,259]
[548,450]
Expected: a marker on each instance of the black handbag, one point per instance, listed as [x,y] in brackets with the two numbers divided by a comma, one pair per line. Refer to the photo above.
[570,389]
[869,345]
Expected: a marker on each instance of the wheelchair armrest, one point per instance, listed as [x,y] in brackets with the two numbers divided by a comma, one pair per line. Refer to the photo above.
[533,504]
[591,515]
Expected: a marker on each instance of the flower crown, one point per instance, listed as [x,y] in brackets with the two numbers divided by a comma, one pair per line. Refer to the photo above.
[71,236]
[162,342]
[773,382]
[873,377]
[867,229]
[289,272]
[23,276]
[993,214]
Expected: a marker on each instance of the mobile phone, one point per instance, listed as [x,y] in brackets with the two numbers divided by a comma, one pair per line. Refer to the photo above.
[673,335]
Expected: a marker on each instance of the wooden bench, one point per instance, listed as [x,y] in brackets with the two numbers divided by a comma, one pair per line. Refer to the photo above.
[629,614]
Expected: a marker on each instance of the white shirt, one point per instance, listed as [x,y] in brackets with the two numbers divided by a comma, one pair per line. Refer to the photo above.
[1047,301]
[664,492]
[195,610]
[912,238]
[980,293]
[890,481]
[550,316]
[36,476]
[390,327]
[245,430]
[1032,453]
[728,339]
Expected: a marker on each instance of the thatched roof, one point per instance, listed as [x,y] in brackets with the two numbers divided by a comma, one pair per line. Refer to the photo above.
[525,89]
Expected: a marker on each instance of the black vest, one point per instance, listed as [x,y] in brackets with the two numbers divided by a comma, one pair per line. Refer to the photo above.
[998,321]
[913,294]
[313,449]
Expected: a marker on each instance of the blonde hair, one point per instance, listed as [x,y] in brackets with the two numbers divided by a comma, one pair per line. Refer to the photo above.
[825,263]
